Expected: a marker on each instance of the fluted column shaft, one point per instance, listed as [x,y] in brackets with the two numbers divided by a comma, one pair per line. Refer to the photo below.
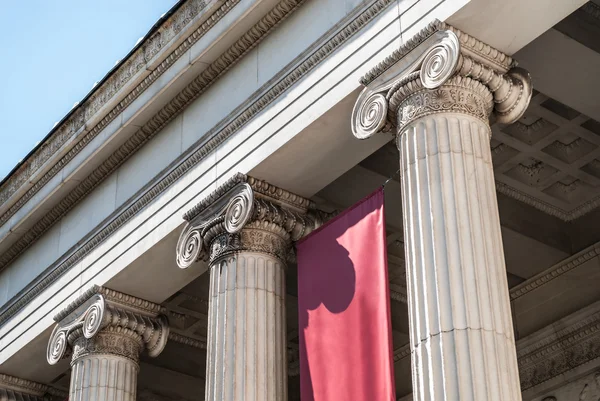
[462,339]
[247,353]
[101,374]
[245,230]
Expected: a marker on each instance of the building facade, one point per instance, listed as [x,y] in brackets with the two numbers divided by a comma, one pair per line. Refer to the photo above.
[147,244]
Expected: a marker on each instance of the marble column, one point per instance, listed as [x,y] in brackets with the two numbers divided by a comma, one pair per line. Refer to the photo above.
[437,94]
[244,230]
[105,332]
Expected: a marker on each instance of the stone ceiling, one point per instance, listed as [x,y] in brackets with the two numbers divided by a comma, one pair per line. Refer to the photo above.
[549,159]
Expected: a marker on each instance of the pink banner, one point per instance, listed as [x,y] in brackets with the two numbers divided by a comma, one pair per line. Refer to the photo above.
[344,308]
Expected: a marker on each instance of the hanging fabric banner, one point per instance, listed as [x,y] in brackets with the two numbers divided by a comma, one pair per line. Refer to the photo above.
[344,308]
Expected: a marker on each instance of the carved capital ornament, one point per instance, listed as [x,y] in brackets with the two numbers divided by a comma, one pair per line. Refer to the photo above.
[440,70]
[103,321]
[245,214]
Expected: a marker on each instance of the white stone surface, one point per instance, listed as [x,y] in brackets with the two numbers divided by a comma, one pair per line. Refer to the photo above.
[89,213]
[220,99]
[103,378]
[31,263]
[155,97]
[559,82]
[149,161]
[461,326]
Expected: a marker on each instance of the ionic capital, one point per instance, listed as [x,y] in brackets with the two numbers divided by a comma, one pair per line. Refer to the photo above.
[245,214]
[440,70]
[103,321]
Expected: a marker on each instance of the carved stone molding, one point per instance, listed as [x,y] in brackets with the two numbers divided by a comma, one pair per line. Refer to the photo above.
[186,340]
[198,86]
[218,135]
[245,214]
[586,388]
[112,341]
[555,271]
[103,321]
[17,389]
[14,389]
[565,345]
[457,95]
[441,69]
[106,92]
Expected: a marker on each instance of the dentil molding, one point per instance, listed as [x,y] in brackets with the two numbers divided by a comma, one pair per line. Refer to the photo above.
[200,84]
[17,389]
[104,321]
[217,135]
[560,347]
[77,121]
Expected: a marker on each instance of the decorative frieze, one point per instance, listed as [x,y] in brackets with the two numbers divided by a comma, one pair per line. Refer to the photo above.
[563,346]
[584,389]
[218,135]
[555,271]
[75,122]
[17,389]
[198,86]
[103,321]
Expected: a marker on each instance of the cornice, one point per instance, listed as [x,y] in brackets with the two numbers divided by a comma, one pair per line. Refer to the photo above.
[26,387]
[92,108]
[546,207]
[548,353]
[198,86]
[17,389]
[186,340]
[216,136]
[125,301]
[555,271]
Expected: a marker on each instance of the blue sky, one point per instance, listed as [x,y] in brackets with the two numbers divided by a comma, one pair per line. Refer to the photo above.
[52,53]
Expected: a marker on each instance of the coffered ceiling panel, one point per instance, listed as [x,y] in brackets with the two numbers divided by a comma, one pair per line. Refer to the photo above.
[550,159]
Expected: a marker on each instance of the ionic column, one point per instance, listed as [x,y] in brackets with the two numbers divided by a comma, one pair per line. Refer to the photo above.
[245,231]
[105,332]
[17,389]
[436,95]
